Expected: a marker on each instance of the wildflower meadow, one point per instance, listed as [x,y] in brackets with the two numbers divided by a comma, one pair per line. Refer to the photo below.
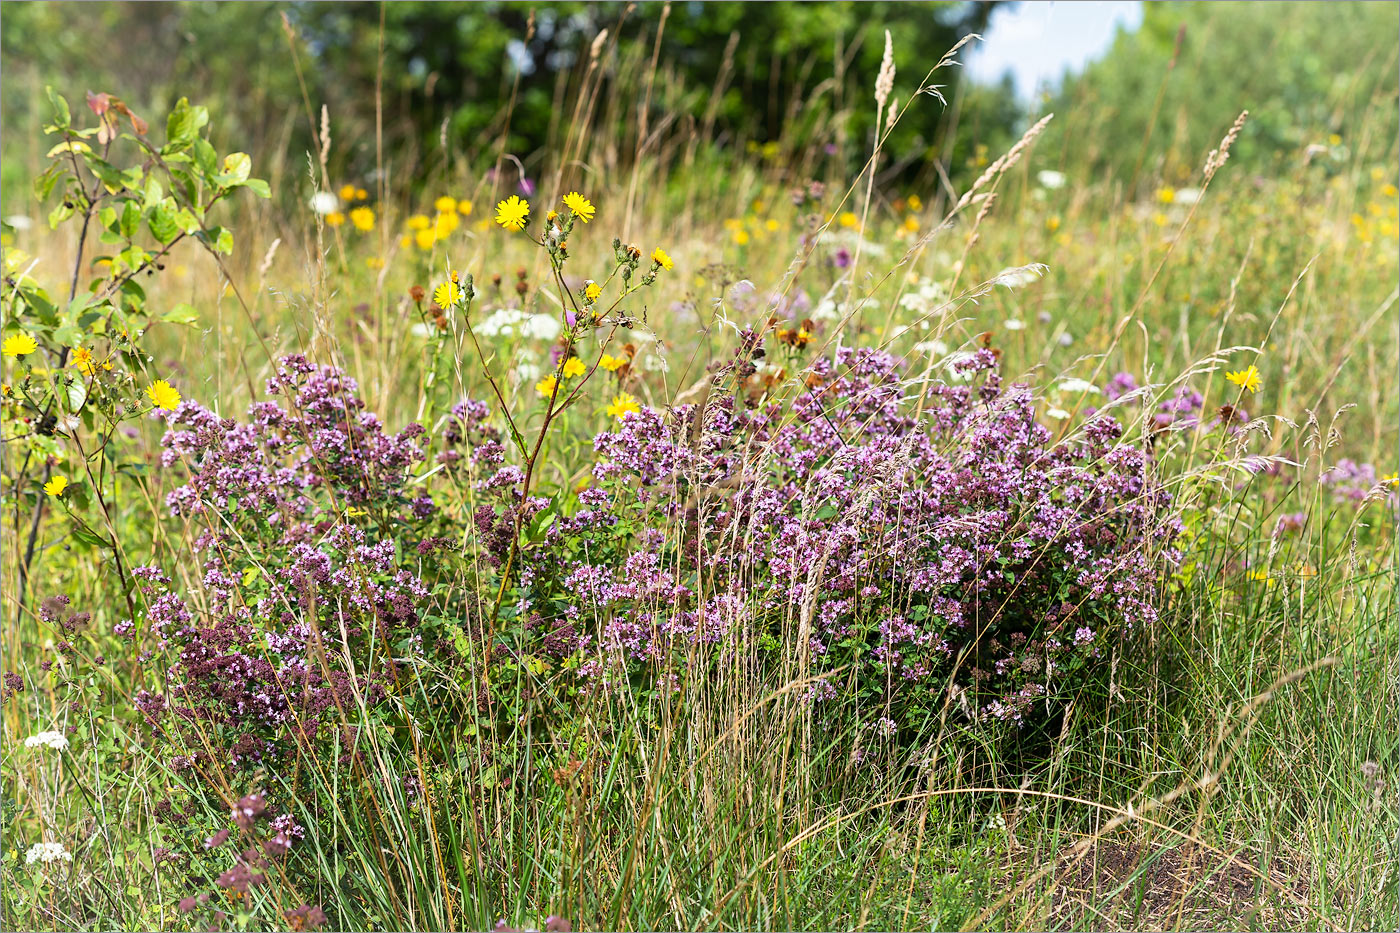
[709,466]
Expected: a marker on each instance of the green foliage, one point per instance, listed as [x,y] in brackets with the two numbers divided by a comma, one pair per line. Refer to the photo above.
[1304,71]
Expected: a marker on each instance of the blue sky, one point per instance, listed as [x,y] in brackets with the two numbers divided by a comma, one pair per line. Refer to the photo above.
[1038,39]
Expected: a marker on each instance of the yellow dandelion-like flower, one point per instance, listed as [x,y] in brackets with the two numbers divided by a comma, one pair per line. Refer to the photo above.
[741,237]
[445,204]
[347,192]
[581,206]
[361,194]
[574,367]
[406,241]
[448,293]
[374,262]
[163,395]
[592,291]
[662,259]
[419,222]
[18,345]
[464,208]
[1166,195]
[82,360]
[56,486]
[546,386]
[362,218]
[513,213]
[915,202]
[848,219]
[1393,480]
[622,404]
[911,223]
[771,225]
[444,224]
[425,239]
[335,218]
[612,363]
[1052,223]
[1247,379]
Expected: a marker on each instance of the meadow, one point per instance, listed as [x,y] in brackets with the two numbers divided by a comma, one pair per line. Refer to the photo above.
[671,531]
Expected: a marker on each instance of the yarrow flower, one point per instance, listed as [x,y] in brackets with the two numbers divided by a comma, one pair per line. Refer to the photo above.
[19,345]
[1247,379]
[55,740]
[662,259]
[581,206]
[56,486]
[513,213]
[47,852]
[622,404]
[163,395]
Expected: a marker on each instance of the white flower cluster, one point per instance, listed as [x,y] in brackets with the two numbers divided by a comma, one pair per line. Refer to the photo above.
[508,322]
[54,740]
[47,852]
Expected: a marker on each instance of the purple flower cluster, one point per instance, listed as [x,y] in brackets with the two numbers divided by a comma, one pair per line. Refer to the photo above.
[298,513]
[933,544]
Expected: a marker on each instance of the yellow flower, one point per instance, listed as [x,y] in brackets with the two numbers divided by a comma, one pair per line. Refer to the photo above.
[741,237]
[592,291]
[55,486]
[771,225]
[1262,576]
[1334,140]
[361,194]
[513,213]
[662,259]
[82,360]
[19,345]
[448,293]
[1247,379]
[163,395]
[464,208]
[405,241]
[581,206]
[1166,195]
[335,218]
[1393,480]
[347,192]
[915,202]
[848,219]
[1052,223]
[574,367]
[444,224]
[622,404]
[1390,191]
[445,204]
[611,363]
[546,386]
[374,262]
[362,218]
[425,239]
[419,222]
[911,223]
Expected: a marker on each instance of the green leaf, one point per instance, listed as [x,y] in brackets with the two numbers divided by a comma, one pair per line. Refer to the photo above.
[154,193]
[205,158]
[62,116]
[77,395]
[180,314]
[184,123]
[237,167]
[258,187]
[130,219]
[162,223]
[58,215]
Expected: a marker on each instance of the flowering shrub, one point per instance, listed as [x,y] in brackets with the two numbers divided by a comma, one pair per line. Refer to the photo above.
[957,553]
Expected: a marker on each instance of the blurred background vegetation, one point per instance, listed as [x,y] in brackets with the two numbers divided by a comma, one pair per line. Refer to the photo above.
[459,79]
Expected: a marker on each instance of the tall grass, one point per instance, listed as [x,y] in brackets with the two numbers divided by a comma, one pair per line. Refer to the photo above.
[1236,766]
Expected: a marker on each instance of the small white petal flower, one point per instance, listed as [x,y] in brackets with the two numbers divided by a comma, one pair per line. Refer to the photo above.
[1050,179]
[1059,414]
[1014,324]
[323,202]
[54,740]
[47,852]
[1077,387]
[1066,339]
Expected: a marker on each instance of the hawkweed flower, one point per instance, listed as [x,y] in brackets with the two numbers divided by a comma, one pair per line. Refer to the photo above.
[1247,379]
[546,385]
[448,293]
[513,213]
[163,395]
[362,218]
[622,404]
[445,204]
[582,207]
[662,259]
[56,486]
[611,363]
[592,291]
[54,740]
[335,218]
[574,367]
[19,345]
